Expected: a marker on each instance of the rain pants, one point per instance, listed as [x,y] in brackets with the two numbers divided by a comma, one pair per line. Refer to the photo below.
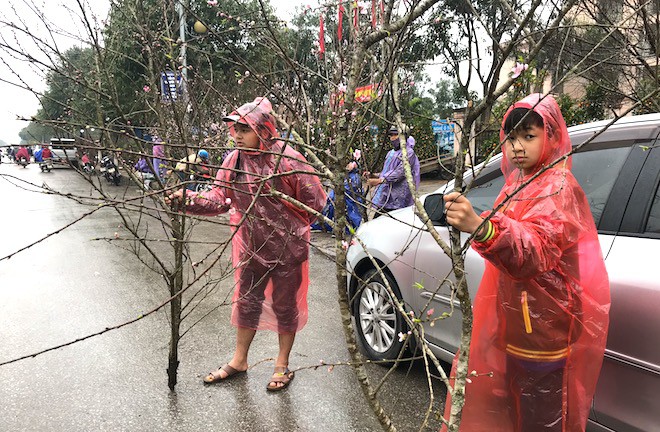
[394,192]
[270,248]
[541,311]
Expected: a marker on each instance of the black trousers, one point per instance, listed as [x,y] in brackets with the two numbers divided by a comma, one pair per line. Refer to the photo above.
[538,390]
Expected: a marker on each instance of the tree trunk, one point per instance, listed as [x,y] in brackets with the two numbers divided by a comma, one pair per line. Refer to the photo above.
[176,284]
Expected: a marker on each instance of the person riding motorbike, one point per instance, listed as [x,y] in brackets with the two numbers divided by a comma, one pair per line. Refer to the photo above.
[194,167]
[44,157]
[87,165]
[22,154]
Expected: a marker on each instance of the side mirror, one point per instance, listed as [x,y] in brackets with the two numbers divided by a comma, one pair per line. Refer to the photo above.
[434,206]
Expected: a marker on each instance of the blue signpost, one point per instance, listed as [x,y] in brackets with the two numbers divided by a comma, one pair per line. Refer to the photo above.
[444,135]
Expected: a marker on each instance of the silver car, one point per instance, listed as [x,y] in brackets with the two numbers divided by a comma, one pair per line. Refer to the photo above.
[619,171]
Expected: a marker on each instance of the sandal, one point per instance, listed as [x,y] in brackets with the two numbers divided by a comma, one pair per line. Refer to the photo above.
[214,377]
[284,377]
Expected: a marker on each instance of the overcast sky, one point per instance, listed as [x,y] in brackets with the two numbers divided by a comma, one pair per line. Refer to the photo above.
[15,101]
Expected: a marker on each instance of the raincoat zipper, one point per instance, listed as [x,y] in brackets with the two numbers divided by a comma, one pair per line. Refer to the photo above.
[525,312]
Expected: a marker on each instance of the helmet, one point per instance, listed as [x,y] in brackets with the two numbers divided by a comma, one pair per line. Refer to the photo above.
[203,154]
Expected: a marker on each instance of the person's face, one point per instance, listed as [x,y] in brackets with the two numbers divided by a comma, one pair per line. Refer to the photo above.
[394,140]
[524,148]
[245,137]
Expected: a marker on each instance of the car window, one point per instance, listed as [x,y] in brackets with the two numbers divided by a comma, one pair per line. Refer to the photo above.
[596,171]
[653,224]
[483,193]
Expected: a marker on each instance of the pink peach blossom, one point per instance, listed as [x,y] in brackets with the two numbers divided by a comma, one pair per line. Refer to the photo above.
[518,69]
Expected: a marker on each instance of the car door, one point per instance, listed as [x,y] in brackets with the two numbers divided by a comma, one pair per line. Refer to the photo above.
[626,396]
[433,274]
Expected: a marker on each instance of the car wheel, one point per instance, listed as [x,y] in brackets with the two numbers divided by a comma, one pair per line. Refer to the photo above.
[377,321]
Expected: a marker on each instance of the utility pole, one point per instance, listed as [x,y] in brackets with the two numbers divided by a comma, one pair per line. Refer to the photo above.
[182,36]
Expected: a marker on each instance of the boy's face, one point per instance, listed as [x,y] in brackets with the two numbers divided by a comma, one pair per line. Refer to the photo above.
[524,148]
[245,137]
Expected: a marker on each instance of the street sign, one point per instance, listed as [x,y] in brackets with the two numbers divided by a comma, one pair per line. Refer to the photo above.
[444,134]
[442,126]
[171,86]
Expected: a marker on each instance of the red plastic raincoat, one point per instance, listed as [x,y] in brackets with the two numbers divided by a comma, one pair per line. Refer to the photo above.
[541,311]
[271,246]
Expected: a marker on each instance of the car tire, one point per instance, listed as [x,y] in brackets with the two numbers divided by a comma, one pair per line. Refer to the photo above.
[377,321]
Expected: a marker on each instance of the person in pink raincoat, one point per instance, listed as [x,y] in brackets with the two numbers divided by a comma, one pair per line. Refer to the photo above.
[270,247]
[541,311]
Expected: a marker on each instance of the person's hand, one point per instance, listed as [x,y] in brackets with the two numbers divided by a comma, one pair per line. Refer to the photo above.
[375,181]
[366,174]
[460,213]
[175,199]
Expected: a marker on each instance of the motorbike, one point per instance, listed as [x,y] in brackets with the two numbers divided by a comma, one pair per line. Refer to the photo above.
[46,165]
[88,168]
[110,170]
[204,182]
[23,162]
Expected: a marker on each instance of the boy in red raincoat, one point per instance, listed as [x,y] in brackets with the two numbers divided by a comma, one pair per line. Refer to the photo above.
[270,247]
[541,311]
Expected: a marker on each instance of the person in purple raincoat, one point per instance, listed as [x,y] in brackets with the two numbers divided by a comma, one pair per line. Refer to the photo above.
[158,151]
[392,191]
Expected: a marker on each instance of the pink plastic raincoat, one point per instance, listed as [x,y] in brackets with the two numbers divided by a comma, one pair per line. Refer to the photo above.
[541,311]
[271,246]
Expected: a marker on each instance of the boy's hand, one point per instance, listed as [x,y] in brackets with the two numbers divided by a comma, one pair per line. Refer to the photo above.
[460,213]
[175,199]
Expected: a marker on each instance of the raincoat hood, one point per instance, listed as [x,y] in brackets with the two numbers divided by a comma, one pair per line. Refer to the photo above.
[257,115]
[396,144]
[556,141]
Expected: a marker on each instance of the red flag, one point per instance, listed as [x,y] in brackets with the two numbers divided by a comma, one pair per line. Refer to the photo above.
[340,21]
[373,14]
[321,37]
[382,12]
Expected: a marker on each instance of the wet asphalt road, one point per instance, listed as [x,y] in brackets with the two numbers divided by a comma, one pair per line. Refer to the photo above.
[69,286]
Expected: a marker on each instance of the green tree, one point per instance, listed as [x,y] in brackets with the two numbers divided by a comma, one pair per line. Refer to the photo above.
[447,96]
[68,102]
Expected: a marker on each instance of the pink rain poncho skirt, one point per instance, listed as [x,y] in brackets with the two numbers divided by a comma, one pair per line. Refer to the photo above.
[270,247]
[541,311]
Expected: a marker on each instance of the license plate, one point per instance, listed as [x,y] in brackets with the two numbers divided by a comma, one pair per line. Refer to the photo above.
[111,170]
